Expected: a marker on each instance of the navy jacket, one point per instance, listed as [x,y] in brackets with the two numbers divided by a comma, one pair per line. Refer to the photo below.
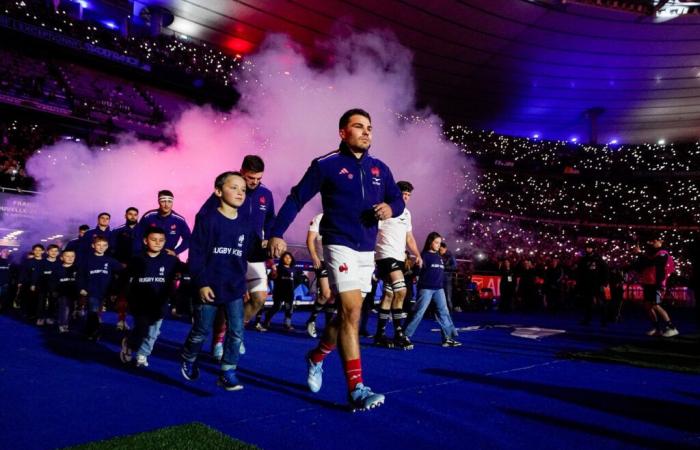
[27,269]
[66,281]
[96,273]
[151,284]
[121,245]
[284,283]
[175,228]
[432,274]
[43,278]
[218,254]
[73,244]
[349,188]
[259,209]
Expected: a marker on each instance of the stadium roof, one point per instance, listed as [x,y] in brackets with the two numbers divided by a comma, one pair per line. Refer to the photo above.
[516,66]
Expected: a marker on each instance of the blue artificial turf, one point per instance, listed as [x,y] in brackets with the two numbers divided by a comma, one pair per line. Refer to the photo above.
[497,391]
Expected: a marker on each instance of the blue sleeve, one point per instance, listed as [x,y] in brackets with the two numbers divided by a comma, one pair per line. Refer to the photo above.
[137,241]
[199,243]
[300,194]
[269,217]
[81,277]
[212,202]
[36,273]
[392,194]
[112,241]
[85,243]
[115,265]
[185,235]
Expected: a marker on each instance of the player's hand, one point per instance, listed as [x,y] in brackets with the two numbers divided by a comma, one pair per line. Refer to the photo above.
[316,262]
[419,261]
[263,244]
[83,292]
[170,252]
[382,211]
[276,246]
[32,288]
[206,294]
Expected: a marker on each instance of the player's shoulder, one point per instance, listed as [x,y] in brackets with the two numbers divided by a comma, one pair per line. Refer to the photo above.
[327,158]
[178,217]
[149,214]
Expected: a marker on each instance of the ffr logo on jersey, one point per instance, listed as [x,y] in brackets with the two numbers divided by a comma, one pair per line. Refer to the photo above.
[241,238]
[376,179]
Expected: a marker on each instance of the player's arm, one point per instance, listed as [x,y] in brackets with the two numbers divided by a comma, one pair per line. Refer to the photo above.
[413,247]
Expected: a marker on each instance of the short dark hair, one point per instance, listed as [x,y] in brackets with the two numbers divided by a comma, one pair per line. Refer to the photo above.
[37,245]
[345,118]
[103,213]
[132,208]
[153,230]
[221,179]
[53,246]
[68,250]
[405,186]
[165,192]
[84,227]
[98,238]
[253,163]
[443,244]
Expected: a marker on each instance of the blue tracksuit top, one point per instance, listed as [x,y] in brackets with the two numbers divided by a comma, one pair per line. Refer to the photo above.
[432,274]
[173,224]
[96,273]
[121,244]
[349,187]
[259,208]
[73,244]
[218,254]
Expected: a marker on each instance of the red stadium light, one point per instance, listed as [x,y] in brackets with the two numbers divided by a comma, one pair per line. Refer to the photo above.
[238,45]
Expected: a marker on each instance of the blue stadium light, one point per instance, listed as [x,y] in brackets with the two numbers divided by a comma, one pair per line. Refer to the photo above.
[83,3]
[109,24]
[536,135]
[613,141]
[574,139]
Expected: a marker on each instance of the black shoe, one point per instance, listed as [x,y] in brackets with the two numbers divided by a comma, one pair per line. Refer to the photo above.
[381,340]
[402,342]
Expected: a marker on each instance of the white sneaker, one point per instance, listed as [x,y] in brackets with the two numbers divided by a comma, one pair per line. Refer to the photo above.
[311,329]
[141,361]
[63,328]
[40,322]
[653,332]
[49,321]
[260,327]
[669,332]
